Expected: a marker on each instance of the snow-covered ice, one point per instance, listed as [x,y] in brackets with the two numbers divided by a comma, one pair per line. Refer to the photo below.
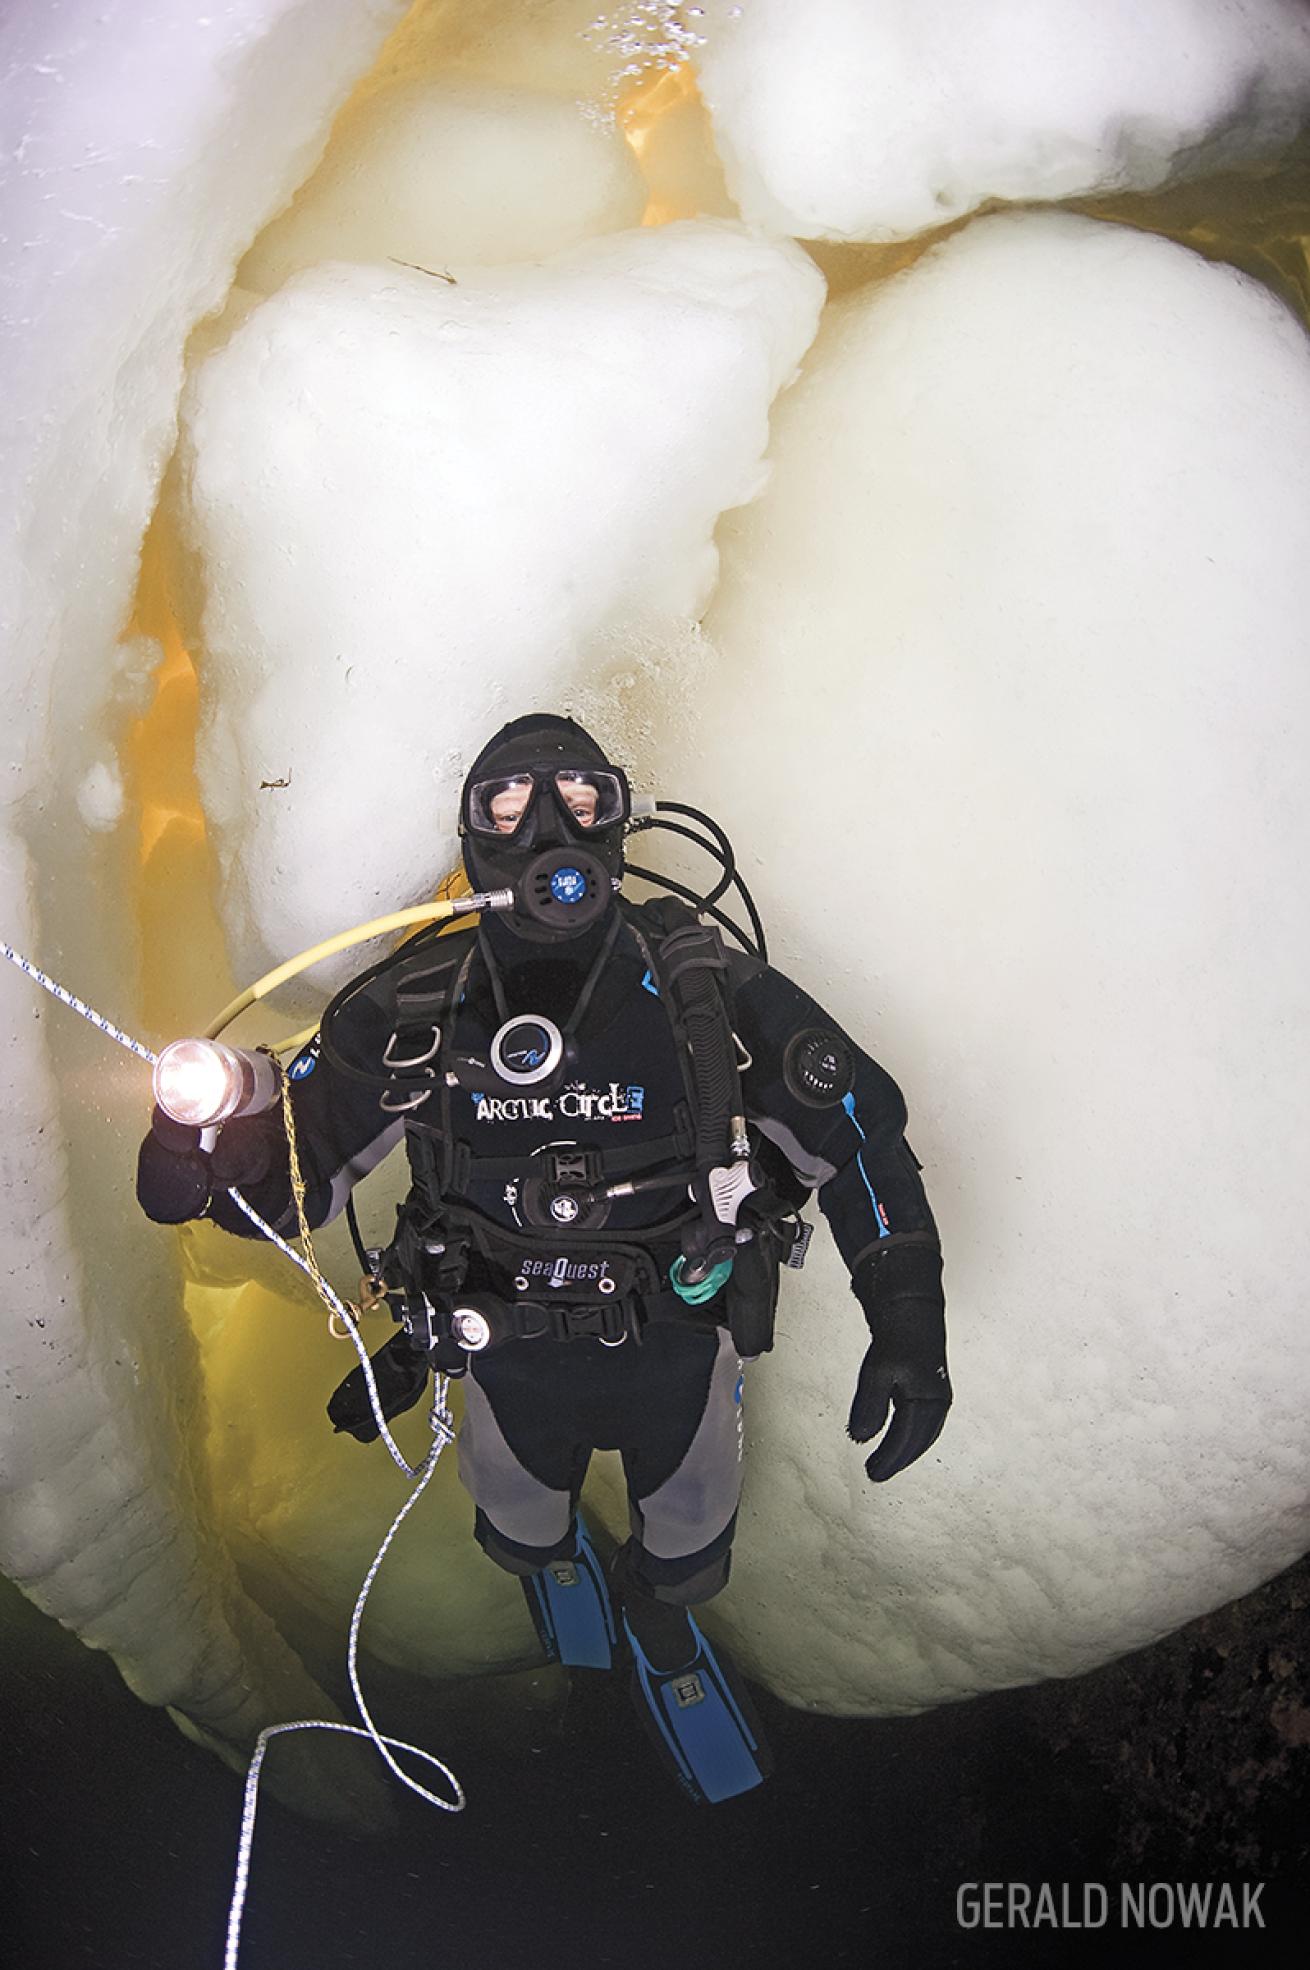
[875,119]
[420,506]
[1024,599]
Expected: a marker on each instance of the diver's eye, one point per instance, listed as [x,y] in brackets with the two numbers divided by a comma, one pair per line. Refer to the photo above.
[580,797]
[507,807]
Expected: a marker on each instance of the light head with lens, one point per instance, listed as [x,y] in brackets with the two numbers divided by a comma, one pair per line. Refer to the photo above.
[202,1083]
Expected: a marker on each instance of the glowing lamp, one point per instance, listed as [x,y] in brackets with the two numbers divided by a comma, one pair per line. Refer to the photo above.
[202,1083]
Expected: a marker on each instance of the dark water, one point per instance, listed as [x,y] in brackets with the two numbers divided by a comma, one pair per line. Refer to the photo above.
[1186,1762]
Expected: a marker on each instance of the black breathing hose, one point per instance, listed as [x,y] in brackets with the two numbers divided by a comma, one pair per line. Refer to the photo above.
[726,853]
[689,895]
[722,851]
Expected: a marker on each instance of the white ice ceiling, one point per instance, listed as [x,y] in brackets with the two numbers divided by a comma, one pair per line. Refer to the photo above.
[999,690]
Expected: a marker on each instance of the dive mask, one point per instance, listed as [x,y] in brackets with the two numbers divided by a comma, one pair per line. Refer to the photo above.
[513,805]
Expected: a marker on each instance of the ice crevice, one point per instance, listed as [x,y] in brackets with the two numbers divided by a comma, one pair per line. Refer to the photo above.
[112,1540]
[1015,566]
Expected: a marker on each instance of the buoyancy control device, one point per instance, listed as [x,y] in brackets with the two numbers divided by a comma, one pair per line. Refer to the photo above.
[732,1219]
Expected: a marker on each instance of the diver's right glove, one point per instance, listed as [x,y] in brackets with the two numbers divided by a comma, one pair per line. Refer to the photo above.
[899,1286]
[176,1179]
[173,1174]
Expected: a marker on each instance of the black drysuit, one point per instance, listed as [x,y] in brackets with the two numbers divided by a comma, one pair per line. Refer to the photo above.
[640,1372]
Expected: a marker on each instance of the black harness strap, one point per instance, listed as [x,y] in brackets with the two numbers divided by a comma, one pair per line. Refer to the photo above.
[602,1165]
[420,1008]
[688,965]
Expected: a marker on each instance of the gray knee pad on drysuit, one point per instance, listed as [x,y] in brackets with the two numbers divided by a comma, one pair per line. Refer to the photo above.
[522,1561]
[674,1583]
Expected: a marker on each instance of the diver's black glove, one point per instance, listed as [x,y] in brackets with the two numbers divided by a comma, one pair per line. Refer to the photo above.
[173,1174]
[900,1290]
[401,1375]
[246,1150]
[176,1178]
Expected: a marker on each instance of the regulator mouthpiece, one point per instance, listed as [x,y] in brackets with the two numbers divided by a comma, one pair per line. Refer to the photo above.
[202,1083]
[564,890]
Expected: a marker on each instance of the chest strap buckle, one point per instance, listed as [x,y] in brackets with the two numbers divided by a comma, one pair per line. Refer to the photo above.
[574,1167]
[577,1323]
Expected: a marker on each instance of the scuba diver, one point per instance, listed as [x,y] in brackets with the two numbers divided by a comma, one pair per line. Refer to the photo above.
[612,1120]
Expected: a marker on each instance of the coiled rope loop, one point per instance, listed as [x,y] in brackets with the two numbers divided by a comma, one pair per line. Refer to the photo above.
[443,1432]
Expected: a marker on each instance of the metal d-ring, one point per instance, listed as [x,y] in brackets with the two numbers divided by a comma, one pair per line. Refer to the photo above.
[390,1059]
[403,1107]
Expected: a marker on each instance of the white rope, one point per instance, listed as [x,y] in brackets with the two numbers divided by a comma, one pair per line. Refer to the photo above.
[338,1306]
[443,1432]
[97,1019]
[248,1816]
[343,1313]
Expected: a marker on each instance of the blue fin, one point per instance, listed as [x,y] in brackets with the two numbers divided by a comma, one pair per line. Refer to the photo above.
[570,1606]
[701,1722]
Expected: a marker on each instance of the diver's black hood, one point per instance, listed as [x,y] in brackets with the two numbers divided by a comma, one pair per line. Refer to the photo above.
[542,744]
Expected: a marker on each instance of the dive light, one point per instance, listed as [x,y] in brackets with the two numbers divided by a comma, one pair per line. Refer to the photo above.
[203,1083]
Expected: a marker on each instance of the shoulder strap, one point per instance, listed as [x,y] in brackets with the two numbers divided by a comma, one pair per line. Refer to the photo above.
[414,982]
[691,970]
[656,916]
[422,994]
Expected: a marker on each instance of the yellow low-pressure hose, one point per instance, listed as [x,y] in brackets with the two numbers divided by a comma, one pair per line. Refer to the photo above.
[421,913]
[294,1041]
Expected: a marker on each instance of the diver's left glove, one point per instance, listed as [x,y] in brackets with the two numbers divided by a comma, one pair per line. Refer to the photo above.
[401,1374]
[899,1287]
[174,1176]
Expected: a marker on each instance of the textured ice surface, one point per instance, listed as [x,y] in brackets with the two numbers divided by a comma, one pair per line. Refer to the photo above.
[147,148]
[442,173]
[1010,723]
[873,119]
[1016,613]
[420,507]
